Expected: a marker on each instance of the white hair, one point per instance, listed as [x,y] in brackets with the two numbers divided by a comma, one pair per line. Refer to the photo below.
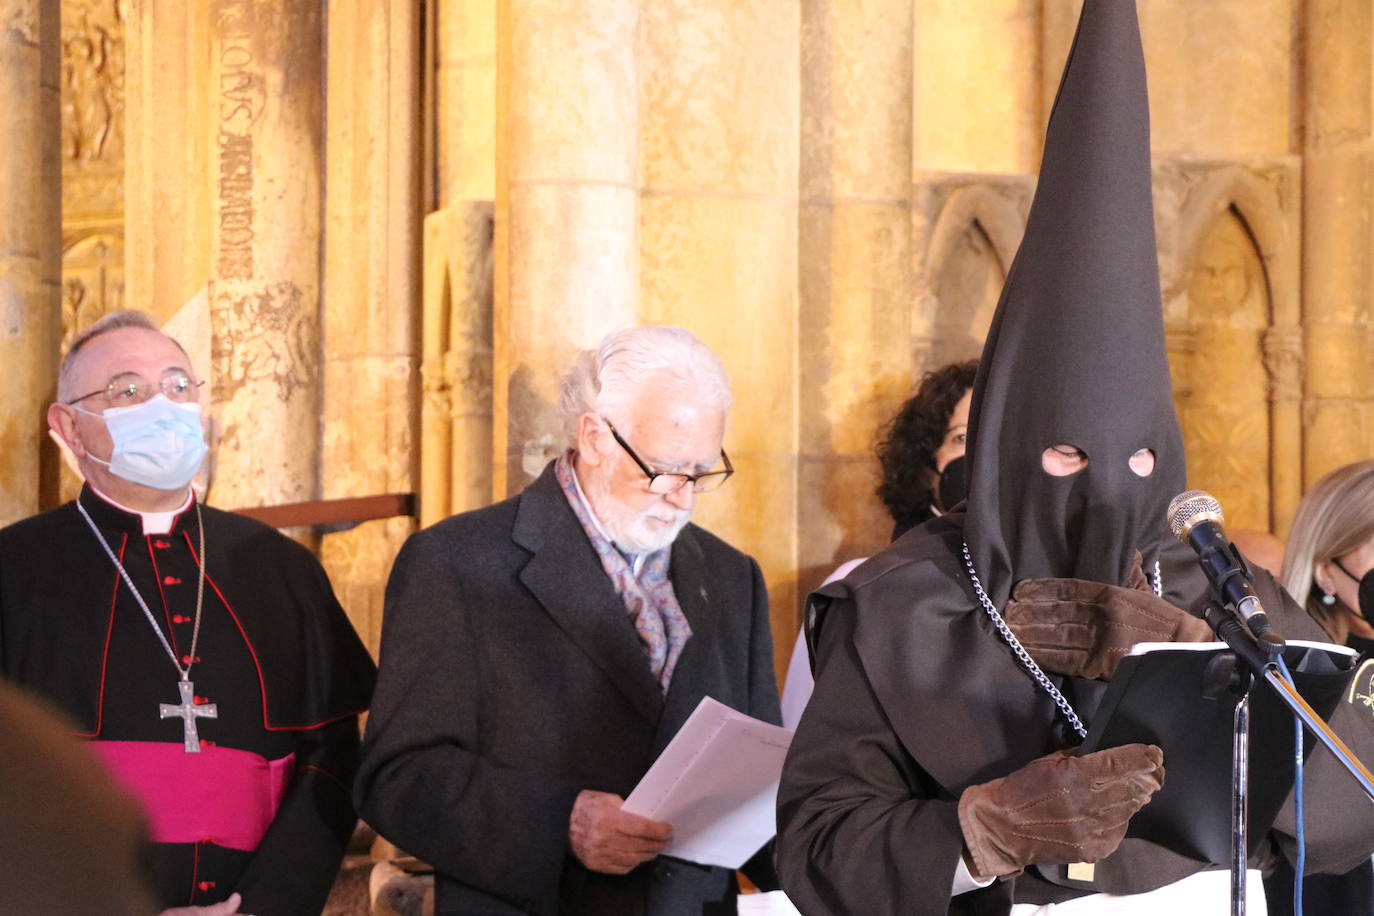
[607,379]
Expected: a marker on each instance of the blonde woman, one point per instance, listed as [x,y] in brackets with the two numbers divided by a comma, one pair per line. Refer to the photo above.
[1329,568]
[1329,564]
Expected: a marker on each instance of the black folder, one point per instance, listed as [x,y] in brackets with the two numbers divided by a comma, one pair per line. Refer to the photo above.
[1182,698]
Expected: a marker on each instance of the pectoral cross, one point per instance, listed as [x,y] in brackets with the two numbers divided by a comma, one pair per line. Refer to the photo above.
[188,712]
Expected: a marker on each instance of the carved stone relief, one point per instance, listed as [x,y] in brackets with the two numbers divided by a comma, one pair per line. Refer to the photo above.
[1283,360]
[22,20]
[92,281]
[92,92]
[1228,236]
[93,79]
[1226,423]
[264,335]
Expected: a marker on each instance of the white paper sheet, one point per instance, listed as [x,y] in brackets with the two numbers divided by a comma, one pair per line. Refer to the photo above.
[717,783]
[1141,648]
[773,903]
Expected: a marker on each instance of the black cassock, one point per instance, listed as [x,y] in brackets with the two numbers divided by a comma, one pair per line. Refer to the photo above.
[264,808]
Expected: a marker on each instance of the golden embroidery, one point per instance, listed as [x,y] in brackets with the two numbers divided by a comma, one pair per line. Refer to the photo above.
[1366,699]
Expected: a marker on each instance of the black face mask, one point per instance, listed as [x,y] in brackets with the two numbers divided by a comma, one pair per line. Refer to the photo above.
[1367,597]
[953,486]
[1366,591]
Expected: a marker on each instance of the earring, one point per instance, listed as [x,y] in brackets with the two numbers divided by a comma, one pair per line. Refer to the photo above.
[1328,599]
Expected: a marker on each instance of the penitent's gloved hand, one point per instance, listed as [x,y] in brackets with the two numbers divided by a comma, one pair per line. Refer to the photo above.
[1057,809]
[1084,629]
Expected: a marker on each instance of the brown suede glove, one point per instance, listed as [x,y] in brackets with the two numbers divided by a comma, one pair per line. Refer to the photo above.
[1058,809]
[1084,629]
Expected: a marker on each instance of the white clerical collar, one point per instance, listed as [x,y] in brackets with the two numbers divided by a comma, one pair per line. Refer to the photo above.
[153,522]
[636,560]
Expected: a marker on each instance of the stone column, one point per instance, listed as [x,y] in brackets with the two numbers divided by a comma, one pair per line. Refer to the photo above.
[170,176]
[1283,361]
[1337,228]
[567,196]
[372,287]
[456,409]
[30,249]
[855,268]
[718,230]
[266,137]
[225,173]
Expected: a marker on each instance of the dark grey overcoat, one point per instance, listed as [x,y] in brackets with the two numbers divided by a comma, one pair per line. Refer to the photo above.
[512,678]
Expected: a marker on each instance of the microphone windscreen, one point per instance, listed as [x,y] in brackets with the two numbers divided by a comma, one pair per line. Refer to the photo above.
[1190,506]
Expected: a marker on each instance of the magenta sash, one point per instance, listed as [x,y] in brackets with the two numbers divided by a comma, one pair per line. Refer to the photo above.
[223,796]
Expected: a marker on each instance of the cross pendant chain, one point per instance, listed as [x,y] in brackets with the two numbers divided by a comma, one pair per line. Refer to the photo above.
[188,712]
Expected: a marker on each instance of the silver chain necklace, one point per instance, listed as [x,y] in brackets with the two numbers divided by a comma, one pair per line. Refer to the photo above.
[188,710]
[1020,651]
[1156,584]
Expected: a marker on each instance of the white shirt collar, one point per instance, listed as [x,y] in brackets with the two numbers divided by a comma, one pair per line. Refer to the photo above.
[153,522]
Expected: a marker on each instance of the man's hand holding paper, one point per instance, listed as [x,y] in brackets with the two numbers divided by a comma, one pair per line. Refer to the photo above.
[607,839]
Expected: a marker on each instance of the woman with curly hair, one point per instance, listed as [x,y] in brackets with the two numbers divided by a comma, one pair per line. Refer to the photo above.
[927,433]
[915,447]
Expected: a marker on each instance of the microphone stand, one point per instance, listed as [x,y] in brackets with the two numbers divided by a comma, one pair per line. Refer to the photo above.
[1259,656]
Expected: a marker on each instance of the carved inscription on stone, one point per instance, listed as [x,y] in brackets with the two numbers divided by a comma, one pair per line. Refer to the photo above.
[241,97]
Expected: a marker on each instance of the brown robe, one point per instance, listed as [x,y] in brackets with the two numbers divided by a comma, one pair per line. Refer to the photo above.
[917,698]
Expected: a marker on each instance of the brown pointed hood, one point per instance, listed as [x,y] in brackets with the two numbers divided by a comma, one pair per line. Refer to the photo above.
[1076,351]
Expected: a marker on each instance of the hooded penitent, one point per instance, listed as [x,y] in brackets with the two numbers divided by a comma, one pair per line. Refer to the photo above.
[1076,351]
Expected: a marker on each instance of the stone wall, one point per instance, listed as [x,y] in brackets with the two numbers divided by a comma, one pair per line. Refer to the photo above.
[399,224]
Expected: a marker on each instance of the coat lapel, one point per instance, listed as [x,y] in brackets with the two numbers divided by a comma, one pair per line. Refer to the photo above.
[565,576]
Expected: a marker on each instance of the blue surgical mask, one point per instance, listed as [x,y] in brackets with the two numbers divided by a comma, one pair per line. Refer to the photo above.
[158,443]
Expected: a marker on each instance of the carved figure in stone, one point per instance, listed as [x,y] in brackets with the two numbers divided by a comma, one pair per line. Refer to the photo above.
[92,79]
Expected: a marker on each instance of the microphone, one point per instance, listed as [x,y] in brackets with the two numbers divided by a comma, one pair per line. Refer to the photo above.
[1195,518]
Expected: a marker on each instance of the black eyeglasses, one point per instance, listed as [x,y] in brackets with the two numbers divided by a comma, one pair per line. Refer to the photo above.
[663,484]
[130,388]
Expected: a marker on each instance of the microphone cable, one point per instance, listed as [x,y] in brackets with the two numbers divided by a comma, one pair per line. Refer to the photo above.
[1301,864]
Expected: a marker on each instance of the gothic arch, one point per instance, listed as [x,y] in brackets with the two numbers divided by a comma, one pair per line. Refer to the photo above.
[1248,342]
[971,247]
[1260,208]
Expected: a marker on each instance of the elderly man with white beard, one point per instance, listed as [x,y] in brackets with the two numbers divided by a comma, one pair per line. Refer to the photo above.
[539,653]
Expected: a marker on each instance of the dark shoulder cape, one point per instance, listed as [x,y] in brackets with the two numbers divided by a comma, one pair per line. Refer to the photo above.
[936,662]
[966,711]
[58,589]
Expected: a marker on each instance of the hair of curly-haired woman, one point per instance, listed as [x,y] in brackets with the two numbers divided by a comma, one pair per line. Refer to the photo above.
[907,444]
